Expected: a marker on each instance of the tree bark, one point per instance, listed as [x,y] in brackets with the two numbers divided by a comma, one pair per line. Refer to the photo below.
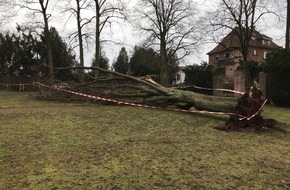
[48,40]
[81,48]
[164,80]
[97,45]
[287,44]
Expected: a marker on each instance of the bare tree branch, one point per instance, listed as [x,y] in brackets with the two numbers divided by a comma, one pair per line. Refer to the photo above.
[170,24]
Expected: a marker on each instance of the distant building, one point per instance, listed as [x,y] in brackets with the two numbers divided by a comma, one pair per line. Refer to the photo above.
[227,56]
[180,76]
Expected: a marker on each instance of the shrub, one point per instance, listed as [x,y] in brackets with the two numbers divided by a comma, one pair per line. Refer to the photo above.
[278,70]
[199,75]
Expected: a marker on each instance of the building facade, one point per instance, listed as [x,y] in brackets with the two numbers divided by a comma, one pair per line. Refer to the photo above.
[180,76]
[226,56]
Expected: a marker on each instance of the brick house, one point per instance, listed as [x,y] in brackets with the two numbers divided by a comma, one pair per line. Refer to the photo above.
[226,55]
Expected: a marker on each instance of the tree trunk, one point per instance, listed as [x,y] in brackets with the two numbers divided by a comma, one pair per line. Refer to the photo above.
[287,44]
[244,42]
[49,52]
[81,49]
[48,41]
[146,91]
[50,62]
[164,79]
[97,45]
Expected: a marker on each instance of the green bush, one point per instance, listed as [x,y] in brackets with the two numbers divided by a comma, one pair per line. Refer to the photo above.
[278,70]
[199,75]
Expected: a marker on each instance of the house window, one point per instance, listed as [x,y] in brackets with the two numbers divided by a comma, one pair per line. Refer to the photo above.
[255,52]
[227,55]
[178,77]
[263,42]
[265,54]
[217,57]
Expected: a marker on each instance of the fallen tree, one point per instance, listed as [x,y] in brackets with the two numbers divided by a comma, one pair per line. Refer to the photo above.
[244,111]
[144,90]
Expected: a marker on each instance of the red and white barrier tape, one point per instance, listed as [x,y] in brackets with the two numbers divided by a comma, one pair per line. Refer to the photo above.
[249,118]
[212,89]
[94,97]
[143,105]
[20,84]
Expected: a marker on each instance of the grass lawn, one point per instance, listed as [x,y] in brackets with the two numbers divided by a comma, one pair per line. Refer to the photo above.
[52,145]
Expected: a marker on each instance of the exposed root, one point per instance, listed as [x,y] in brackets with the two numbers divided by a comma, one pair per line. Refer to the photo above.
[249,105]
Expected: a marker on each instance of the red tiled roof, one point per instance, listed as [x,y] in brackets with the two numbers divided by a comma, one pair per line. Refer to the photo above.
[231,42]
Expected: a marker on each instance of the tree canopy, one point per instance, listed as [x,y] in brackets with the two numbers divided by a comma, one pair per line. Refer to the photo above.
[63,56]
[199,75]
[146,61]
[278,68]
[104,61]
[21,52]
[16,53]
[122,63]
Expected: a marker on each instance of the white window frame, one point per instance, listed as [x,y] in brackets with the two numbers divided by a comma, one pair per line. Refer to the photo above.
[255,52]
[217,57]
[265,54]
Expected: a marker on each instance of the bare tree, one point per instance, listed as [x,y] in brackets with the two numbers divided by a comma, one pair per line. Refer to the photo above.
[171,25]
[106,12]
[241,17]
[41,7]
[81,21]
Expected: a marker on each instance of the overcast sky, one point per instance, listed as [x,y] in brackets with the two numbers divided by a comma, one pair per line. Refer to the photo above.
[125,35]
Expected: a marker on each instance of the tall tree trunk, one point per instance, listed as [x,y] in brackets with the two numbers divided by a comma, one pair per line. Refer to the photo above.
[50,60]
[246,68]
[97,54]
[287,43]
[48,40]
[163,71]
[81,49]
[97,45]
[245,37]
[49,49]
[164,79]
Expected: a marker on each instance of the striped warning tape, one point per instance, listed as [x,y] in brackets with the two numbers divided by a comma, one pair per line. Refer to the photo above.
[55,87]
[143,105]
[212,89]
[21,85]
[249,118]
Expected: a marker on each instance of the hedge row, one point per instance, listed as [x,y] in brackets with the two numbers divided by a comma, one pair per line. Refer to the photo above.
[278,70]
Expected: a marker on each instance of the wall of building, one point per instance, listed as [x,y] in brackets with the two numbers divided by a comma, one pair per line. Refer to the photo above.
[180,77]
[257,54]
[230,70]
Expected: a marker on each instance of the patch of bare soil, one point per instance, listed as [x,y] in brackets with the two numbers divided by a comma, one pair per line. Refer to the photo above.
[266,125]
